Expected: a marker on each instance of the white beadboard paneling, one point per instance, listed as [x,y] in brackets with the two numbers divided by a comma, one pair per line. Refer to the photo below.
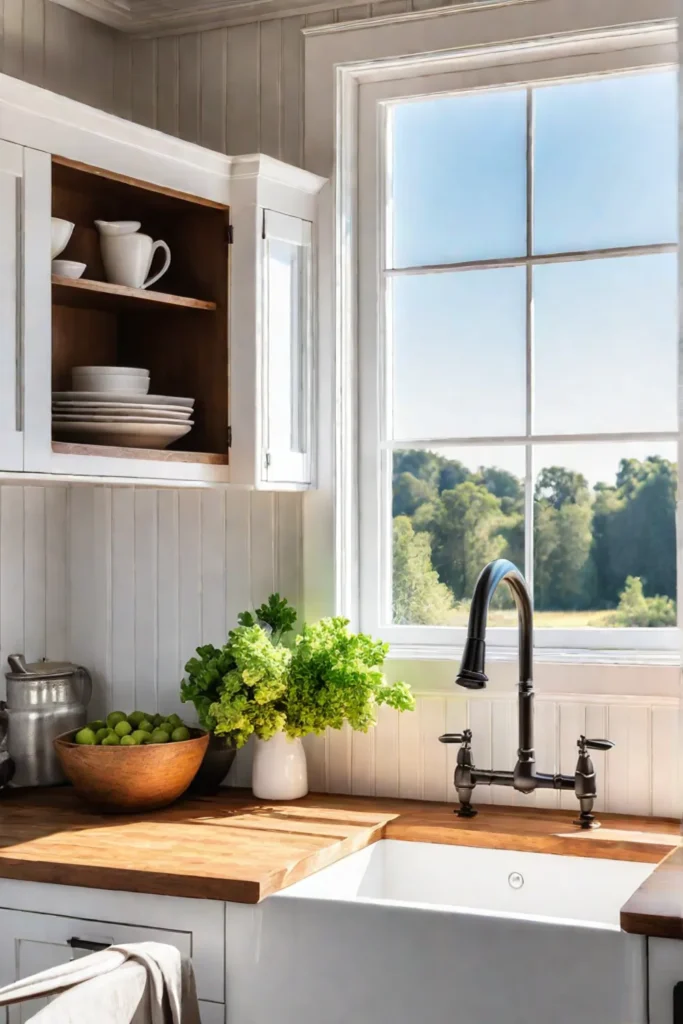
[386,752]
[339,745]
[363,760]
[167,85]
[665,761]
[262,547]
[170,659]
[316,759]
[123,639]
[35,566]
[243,123]
[190,562]
[546,742]
[146,584]
[435,782]
[189,71]
[289,549]
[410,768]
[629,782]
[11,572]
[214,614]
[213,73]
[270,86]
[238,554]
[56,560]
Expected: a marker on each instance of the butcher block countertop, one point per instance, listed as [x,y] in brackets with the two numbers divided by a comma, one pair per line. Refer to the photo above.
[235,848]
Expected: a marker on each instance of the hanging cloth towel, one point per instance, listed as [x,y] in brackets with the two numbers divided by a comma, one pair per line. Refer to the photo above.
[137,983]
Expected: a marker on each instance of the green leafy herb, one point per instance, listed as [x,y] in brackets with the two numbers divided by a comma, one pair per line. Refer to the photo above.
[277,613]
[335,677]
[257,685]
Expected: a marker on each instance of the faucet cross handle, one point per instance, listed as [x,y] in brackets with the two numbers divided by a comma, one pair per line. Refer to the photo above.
[457,737]
[583,744]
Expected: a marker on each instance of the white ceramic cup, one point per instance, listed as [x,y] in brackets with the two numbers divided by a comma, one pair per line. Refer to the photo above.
[60,233]
[127,259]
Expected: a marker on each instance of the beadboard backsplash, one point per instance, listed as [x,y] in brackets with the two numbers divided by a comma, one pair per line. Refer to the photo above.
[129,580]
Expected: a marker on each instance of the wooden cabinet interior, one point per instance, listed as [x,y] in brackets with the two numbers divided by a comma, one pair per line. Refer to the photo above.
[182,341]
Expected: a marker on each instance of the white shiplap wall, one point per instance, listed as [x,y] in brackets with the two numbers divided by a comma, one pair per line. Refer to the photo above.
[128,581]
[48,45]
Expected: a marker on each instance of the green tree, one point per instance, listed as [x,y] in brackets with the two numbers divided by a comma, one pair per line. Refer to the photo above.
[635,609]
[465,529]
[635,529]
[418,596]
[564,574]
[409,493]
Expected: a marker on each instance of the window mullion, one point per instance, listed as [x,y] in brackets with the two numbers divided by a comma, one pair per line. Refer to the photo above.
[528,482]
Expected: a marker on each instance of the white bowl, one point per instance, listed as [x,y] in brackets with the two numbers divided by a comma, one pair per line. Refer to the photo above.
[117,227]
[60,233]
[68,268]
[114,371]
[107,383]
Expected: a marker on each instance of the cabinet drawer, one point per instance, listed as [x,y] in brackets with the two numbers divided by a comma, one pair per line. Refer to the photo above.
[36,911]
[31,942]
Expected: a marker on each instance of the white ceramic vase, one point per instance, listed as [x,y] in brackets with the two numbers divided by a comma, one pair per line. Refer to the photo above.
[279,770]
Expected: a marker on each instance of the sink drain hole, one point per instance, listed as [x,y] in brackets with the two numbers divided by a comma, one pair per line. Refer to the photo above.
[515,880]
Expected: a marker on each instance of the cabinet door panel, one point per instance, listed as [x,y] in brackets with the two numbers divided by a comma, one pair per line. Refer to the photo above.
[11,275]
[287,348]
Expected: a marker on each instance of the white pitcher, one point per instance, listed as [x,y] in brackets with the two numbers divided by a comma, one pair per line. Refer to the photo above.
[127,255]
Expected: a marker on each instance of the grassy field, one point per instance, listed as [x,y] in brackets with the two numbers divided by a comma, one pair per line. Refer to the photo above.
[542,620]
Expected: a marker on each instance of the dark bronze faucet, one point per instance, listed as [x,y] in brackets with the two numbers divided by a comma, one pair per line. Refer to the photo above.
[524,778]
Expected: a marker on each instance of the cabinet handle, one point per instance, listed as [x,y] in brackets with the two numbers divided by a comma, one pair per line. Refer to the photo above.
[93,947]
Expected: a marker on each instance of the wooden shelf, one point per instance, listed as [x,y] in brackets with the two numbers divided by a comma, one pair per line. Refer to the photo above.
[153,454]
[102,295]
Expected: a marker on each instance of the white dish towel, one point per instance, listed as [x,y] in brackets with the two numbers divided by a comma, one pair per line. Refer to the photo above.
[138,983]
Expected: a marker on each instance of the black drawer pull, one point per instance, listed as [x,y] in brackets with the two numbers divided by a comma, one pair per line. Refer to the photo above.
[93,947]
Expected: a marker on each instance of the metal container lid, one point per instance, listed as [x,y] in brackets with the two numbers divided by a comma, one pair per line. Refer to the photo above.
[38,669]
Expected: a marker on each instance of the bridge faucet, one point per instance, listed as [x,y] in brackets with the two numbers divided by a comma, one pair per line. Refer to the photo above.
[524,778]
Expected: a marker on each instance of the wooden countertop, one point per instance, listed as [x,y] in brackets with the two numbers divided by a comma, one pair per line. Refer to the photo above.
[235,848]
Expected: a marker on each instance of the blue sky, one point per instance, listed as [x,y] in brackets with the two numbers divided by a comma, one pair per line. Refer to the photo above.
[605,175]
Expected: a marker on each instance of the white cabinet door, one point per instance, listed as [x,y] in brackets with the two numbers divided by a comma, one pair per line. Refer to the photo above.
[286,324]
[665,968]
[11,305]
[33,942]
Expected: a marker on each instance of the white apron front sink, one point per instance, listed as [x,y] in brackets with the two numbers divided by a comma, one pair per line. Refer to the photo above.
[419,933]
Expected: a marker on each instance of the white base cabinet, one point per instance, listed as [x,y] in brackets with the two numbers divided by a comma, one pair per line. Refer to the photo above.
[42,926]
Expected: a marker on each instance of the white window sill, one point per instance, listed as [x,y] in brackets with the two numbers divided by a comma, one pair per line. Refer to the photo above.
[542,655]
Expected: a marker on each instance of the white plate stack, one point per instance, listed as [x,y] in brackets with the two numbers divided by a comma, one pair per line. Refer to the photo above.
[111,405]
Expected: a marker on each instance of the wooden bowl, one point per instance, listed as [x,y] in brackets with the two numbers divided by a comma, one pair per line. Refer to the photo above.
[127,779]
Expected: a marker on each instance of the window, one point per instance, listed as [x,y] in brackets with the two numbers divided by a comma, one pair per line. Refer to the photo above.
[518,353]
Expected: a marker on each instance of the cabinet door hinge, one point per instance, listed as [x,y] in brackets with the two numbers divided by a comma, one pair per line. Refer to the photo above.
[266,459]
[229,437]
[230,234]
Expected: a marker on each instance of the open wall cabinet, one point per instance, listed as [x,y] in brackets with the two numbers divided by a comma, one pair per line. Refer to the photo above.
[230,325]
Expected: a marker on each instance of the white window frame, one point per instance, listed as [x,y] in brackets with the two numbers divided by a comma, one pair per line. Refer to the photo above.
[366,66]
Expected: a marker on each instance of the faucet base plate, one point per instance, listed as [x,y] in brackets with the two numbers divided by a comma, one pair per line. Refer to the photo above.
[466,811]
[586,821]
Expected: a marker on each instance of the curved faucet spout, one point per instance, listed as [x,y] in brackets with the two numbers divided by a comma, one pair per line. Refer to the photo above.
[472,673]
